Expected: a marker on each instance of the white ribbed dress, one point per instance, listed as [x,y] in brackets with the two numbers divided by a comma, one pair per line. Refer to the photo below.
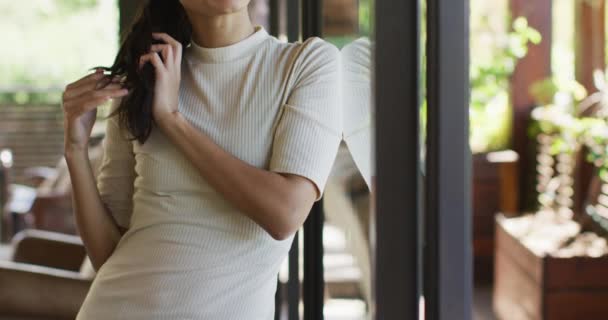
[188,253]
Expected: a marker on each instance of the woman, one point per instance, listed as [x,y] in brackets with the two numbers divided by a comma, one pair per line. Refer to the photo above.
[221,140]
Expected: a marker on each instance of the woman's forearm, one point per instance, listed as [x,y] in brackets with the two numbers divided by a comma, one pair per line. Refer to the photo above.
[98,231]
[268,198]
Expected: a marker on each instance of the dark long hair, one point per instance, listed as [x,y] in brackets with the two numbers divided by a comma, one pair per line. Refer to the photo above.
[135,109]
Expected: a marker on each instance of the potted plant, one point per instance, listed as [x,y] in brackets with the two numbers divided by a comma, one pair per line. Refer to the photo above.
[552,264]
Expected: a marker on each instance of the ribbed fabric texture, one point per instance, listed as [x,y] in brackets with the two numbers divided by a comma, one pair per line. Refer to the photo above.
[188,253]
[357,102]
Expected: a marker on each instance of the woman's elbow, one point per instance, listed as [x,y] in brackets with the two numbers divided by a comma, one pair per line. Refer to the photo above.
[289,213]
[281,234]
[282,229]
[286,223]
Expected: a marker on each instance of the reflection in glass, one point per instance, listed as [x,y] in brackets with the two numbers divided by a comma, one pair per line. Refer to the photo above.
[347,195]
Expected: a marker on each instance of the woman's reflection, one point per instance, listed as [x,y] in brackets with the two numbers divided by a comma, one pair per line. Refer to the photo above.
[347,197]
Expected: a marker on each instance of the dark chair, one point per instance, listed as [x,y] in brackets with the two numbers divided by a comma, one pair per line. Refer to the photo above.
[45,277]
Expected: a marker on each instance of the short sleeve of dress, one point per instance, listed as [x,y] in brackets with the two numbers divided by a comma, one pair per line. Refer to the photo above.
[358,113]
[309,131]
[117,171]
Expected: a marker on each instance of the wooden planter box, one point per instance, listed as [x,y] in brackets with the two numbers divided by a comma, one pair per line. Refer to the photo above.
[529,286]
[494,190]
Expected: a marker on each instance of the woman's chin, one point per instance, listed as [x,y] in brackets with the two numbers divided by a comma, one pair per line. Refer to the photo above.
[215,7]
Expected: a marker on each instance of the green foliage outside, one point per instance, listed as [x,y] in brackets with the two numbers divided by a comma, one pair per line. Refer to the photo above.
[490,109]
[366,10]
[50,43]
[575,119]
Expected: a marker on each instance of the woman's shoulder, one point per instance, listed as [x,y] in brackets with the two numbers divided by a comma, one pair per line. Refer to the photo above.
[311,56]
[319,51]
[317,44]
[306,61]
[313,48]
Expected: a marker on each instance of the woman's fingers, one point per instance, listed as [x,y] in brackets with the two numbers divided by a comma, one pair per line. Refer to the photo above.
[177,46]
[167,52]
[94,95]
[171,50]
[154,59]
[83,89]
[83,82]
[166,38]
[92,99]
[158,47]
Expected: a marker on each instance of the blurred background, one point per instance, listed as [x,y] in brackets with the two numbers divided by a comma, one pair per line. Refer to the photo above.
[538,136]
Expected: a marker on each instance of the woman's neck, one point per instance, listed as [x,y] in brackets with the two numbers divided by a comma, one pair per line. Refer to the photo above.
[221,31]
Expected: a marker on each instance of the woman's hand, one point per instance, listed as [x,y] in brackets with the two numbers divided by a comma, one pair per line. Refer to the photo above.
[168,75]
[80,101]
